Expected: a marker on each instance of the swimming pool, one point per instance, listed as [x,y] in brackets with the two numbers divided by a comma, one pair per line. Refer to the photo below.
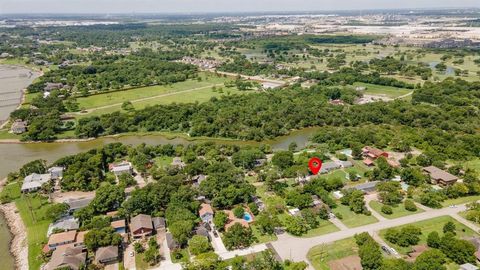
[247,217]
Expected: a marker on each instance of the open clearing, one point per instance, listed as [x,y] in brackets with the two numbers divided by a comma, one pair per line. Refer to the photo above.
[430,225]
[320,255]
[398,211]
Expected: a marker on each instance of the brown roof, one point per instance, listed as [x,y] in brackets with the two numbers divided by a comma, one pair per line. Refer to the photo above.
[62,237]
[118,224]
[141,221]
[67,255]
[106,253]
[438,174]
[81,237]
[368,161]
[112,213]
[374,151]
[205,208]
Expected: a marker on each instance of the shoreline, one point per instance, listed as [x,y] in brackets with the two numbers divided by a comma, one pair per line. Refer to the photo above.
[18,245]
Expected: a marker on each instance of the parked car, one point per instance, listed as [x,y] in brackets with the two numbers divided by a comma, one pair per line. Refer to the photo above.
[386,250]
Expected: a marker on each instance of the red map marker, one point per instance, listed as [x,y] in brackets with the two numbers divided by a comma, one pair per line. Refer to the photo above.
[315,164]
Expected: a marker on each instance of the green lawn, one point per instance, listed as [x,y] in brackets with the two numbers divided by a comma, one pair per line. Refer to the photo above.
[201,95]
[460,200]
[33,211]
[140,263]
[184,258]
[116,97]
[324,228]
[5,135]
[430,225]
[320,255]
[163,161]
[473,164]
[350,219]
[380,90]
[398,211]
[262,238]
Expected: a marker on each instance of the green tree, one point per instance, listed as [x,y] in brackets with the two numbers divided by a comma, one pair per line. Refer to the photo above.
[433,240]
[238,211]
[410,205]
[199,244]
[237,237]
[296,225]
[449,227]
[283,159]
[432,259]
[220,219]
[102,238]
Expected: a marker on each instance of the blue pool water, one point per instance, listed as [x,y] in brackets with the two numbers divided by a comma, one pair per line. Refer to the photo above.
[247,217]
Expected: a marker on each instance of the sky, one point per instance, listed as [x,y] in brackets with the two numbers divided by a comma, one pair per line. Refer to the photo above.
[201,6]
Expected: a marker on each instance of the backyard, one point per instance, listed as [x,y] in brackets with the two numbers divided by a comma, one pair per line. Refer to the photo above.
[398,211]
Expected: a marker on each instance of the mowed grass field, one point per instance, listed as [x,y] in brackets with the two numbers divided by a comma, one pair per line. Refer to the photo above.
[208,80]
[320,255]
[430,225]
[380,90]
[350,219]
[398,211]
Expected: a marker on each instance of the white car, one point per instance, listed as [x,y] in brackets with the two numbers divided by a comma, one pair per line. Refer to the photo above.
[131,253]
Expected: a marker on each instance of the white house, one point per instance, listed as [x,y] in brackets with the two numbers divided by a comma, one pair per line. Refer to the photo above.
[56,172]
[34,181]
[121,168]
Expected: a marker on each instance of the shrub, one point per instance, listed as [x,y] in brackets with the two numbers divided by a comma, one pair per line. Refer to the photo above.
[410,205]
[387,210]
[238,212]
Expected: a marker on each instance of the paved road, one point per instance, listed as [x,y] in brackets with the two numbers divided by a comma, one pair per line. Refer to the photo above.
[296,249]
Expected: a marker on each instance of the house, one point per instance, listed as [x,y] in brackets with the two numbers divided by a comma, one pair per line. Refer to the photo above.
[121,168]
[19,127]
[119,226]
[80,239]
[67,257]
[141,225]
[329,166]
[360,88]
[106,255]
[468,266]
[77,204]
[34,182]
[56,172]
[373,153]
[369,162]
[345,164]
[177,162]
[366,187]
[60,239]
[206,212]
[52,86]
[159,223]
[440,177]
[68,223]
[171,242]
[202,230]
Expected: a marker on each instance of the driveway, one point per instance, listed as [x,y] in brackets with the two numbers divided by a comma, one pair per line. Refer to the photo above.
[129,262]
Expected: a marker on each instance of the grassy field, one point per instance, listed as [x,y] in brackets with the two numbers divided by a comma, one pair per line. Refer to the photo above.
[33,211]
[163,161]
[198,95]
[324,228]
[430,225]
[460,200]
[350,219]
[379,90]
[105,99]
[320,255]
[398,211]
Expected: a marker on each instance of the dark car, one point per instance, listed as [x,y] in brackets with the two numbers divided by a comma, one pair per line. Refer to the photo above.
[386,249]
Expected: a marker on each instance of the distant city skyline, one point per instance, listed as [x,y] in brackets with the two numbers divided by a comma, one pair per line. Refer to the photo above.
[206,6]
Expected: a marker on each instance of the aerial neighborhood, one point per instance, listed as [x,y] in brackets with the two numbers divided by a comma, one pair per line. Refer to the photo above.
[340,140]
